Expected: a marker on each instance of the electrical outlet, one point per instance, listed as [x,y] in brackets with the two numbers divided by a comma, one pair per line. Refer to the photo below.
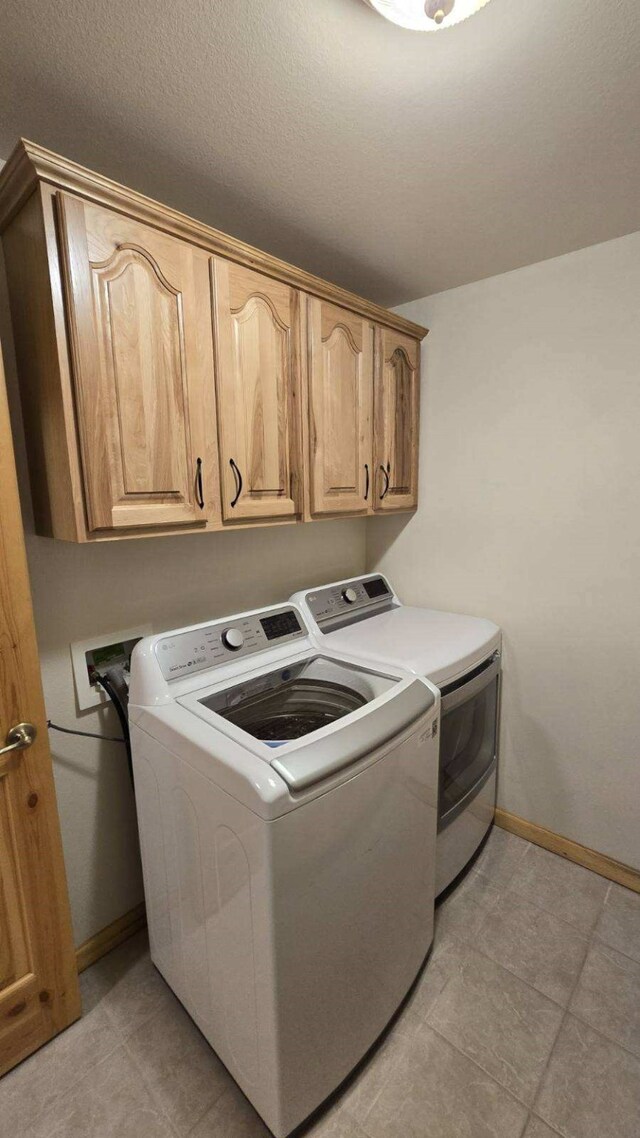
[99,653]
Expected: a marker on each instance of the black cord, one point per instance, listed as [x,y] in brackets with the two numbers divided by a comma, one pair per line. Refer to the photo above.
[87,734]
[121,711]
[105,682]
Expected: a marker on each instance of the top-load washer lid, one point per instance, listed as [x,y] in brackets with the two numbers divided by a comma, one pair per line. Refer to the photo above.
[292,702]
[250,695]
[314,716]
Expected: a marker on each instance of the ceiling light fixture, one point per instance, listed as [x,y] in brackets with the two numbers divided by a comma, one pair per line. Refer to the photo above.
[429,16]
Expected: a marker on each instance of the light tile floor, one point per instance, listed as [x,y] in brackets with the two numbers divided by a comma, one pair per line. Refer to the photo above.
[524,1024]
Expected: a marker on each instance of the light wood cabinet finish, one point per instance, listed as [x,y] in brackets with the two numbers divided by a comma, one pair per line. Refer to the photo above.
[139,324]
[176,380]
[38,981]
[29,165]
[340,385]
[396,400]
[257,336]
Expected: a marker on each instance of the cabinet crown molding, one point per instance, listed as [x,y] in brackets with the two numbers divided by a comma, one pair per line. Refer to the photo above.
[30,164]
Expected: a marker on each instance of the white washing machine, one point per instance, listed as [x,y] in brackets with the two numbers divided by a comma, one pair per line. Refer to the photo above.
[461,655]
[287,806]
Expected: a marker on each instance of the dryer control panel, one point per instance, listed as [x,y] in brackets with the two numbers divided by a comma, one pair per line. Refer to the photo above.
[353,600]
[211,645]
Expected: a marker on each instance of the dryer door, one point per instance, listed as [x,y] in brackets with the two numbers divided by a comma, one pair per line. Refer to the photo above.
[468,739]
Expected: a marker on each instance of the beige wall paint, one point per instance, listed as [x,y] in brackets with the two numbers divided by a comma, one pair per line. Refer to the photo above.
[530,515]
[79,591]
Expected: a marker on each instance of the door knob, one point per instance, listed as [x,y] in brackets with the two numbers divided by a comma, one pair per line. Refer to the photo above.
[19,738]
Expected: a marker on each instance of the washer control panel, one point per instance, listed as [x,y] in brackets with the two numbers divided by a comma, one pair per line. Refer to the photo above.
[211,645]
[338,603]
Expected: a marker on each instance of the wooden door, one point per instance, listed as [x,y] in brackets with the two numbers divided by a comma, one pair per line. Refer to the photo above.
[340,410]
[257,338]
[38,977]
[140,330]
[396,421]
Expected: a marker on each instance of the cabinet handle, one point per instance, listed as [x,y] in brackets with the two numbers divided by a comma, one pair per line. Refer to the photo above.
[386,471]
[199,493]
[366,485]
[238,477]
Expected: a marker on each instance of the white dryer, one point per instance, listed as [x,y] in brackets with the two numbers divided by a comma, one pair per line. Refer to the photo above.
[461,655]
[287,806]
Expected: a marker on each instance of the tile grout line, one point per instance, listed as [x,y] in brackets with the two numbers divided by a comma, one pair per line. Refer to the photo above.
[216,1102]
[585,934]
[538,1118]
[536,1096]
[504,891]
[379,1087]
[157,1102]
[475,1063]
[463,1054]
[141,1075]
[603,944]
[60,1096]
[527,983]
[595,942]
[606,1038]
[508,887]
[567,1012]
[207,1109]
[587,938]
[73,1088]
[504,888]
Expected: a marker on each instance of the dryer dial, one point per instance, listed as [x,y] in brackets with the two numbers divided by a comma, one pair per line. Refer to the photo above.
[349,595]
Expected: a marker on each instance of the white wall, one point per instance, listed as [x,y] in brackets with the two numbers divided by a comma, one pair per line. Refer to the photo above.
[82,590]
[530,515]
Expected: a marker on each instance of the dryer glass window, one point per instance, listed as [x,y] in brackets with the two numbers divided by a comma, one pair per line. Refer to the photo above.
[468,746]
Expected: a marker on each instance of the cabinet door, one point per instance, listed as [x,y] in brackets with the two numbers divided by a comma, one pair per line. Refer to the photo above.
[257,322]
[340,410]
[140,329]
[396,417]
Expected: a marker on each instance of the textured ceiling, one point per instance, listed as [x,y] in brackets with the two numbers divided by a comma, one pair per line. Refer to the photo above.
[393,162]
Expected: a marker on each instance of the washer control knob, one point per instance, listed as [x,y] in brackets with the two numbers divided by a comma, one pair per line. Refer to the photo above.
[349,595]
[233,639]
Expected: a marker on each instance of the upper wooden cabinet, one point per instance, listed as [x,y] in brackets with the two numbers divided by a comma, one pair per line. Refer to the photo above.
[140,333]
[340,410]
[257,338]
[396,399]
[174,379]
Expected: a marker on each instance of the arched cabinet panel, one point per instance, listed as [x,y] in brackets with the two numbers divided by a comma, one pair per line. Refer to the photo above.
[174,379]
[340,410]
[142,360]
[396,414]
[257,337]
